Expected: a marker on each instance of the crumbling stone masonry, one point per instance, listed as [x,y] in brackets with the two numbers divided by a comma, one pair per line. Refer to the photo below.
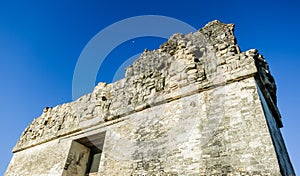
[198,105]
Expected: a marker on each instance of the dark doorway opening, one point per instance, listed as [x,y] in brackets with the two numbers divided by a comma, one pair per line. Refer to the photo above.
[95,144]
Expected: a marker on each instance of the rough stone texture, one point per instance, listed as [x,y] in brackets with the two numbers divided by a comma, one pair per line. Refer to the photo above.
[195,106]
[221,133]
[45,159]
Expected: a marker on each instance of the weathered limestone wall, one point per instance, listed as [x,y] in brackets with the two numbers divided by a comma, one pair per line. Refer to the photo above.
[43,160]
[191,107]
[219,131]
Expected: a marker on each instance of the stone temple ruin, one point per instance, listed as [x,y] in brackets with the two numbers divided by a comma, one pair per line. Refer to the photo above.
[198,105]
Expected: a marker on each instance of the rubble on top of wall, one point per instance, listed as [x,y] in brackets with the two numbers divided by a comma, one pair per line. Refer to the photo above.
[206,58]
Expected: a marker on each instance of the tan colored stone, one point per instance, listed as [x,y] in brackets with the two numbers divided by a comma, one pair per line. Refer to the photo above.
[196,106]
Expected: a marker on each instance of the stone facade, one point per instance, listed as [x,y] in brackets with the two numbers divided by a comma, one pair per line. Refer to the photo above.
[195,106]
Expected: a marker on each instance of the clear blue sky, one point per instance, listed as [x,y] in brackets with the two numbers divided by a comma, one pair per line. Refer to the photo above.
[40,42]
